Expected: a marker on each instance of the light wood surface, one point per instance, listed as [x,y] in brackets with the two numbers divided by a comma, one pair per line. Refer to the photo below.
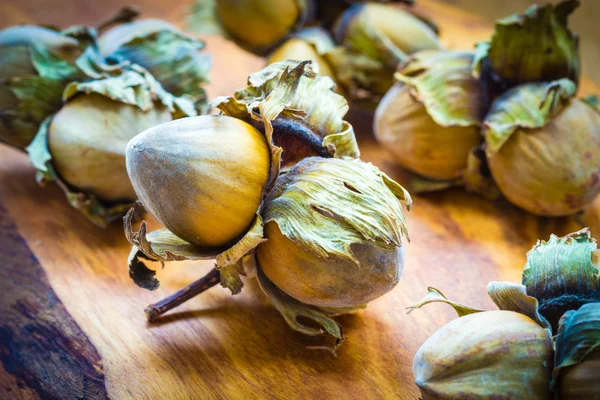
[219,346]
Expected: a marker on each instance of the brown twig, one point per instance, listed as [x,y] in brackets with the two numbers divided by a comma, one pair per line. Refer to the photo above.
[153,311]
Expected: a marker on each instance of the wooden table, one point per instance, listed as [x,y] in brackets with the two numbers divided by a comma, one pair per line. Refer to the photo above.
[72,324]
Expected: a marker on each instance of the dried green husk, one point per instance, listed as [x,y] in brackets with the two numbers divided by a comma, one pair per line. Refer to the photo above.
[308,44]
[162,245]
[291,309]
[255,25]
[577,358]
[374,39]
[483,355]
[317,205]
[297,109]
[431,119]
[531,47]
[170,55]
[334,232]
[36,64]
[562,273]
[543,148]
[128,86]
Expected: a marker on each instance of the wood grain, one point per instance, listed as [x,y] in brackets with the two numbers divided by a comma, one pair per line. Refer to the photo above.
[218,346]
[42,348]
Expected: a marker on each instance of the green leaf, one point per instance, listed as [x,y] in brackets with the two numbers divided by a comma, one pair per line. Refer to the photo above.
[534,46]
[133,85]
[36,99]
[528,106]
[436,296]
[50,66]
[578,337]
[171,56]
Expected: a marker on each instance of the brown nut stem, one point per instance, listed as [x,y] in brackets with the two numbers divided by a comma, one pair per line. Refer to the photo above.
[153,311]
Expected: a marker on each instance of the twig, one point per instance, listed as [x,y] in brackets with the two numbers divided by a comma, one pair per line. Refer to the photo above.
[153,311]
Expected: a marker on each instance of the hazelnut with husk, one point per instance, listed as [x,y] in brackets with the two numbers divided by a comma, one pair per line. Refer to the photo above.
[308,44]
[82,146]
[562,273]
[36,63]
[543,148]
[531,47]
[576,374]
[317,256]
[317,250]
[255,25]
[170,55]
[431,118]
[277,117]
[487,355]
[225,158]
[297,109]
[374,39]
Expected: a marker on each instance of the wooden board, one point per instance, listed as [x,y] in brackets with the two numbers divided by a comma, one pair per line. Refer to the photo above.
[72,323]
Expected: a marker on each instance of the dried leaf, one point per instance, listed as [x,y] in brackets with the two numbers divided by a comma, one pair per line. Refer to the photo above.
[435,296]
[443,83]
[162,245]
[513,297]
[528,106]
[291,309]
[578,337]
[534,46]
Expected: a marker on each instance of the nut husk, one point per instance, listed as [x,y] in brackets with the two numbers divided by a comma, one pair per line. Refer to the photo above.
[82,146]
[319,248]
[297,109]
[255,25]
[493,354]
[577,357]
[170,55]
[543,148]
[374,39]
[308,44]
[531,47]
[36,64]
[430,119]
[201,177]
[562,273]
